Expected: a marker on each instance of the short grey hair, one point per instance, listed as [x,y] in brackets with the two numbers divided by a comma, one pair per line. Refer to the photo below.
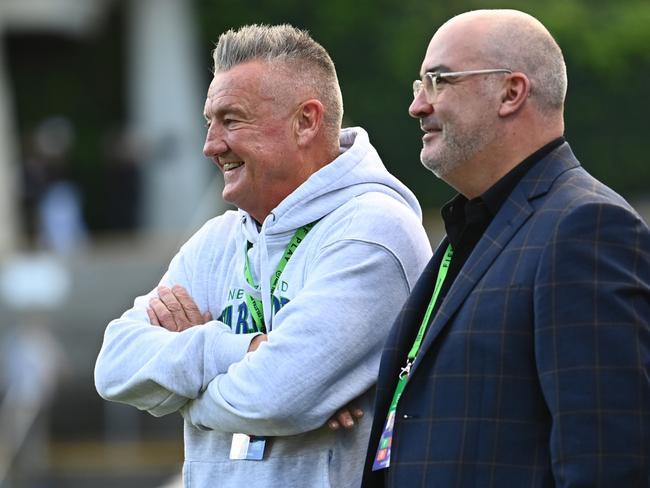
[522,43]
[310,64]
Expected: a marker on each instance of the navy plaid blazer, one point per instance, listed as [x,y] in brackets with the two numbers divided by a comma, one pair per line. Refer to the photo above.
[535,372]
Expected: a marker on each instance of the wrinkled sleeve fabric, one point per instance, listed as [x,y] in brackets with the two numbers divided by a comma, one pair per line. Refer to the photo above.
[157,370]
[592,313]
[324,350]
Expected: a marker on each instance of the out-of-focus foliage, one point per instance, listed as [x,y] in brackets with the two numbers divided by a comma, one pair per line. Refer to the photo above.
[378,46]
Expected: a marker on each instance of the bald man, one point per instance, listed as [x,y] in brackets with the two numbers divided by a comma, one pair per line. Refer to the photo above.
[522,355]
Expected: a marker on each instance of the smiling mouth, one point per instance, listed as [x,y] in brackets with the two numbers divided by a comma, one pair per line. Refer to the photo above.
[429,126]
[231,166]
[430,133]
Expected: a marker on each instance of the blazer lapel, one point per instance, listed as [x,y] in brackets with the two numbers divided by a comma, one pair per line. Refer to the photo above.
[512,215]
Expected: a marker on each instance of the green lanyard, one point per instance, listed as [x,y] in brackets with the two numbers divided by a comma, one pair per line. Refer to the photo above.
[254,305]
[404,373]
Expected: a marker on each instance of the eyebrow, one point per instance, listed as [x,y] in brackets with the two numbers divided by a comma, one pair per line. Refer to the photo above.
[225,110]
[436,69]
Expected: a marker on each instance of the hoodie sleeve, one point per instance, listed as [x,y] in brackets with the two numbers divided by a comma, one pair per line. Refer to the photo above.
[325,348]
[154,369]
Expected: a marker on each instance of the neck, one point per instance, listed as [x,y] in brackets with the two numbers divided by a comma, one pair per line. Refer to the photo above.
[476,176]
[312,160]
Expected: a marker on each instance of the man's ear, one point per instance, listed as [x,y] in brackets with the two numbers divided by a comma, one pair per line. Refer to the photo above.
[515,92]
[308,121]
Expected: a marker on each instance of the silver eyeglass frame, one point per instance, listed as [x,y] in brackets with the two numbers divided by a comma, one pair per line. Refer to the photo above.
[431,89]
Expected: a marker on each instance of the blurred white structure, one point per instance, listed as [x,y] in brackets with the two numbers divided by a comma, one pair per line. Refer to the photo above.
[31,359]
[165,103]
[166,99]
[165,90]
[8,177]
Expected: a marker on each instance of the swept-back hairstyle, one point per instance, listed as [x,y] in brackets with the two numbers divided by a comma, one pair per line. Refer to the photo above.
[309,64]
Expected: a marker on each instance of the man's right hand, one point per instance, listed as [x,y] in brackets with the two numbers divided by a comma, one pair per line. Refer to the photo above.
[175,310]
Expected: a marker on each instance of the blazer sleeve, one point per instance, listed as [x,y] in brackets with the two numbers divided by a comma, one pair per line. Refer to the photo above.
[592,346]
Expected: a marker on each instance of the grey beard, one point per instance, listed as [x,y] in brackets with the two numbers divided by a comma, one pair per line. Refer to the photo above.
[454,152]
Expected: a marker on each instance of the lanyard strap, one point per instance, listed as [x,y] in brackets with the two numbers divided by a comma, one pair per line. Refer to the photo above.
[404,373]
[254,305]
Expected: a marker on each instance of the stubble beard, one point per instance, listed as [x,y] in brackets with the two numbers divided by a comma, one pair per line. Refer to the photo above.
[457,145]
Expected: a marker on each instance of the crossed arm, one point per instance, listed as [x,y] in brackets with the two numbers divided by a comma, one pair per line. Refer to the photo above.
[175,310]
[322,352]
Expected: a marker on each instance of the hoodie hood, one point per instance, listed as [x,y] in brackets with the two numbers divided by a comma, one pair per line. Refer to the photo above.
[357,170]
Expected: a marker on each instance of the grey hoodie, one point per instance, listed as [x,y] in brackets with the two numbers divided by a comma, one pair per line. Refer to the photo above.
[327,321]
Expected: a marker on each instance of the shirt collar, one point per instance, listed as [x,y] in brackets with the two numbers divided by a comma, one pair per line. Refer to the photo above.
[501,190]
[453,212]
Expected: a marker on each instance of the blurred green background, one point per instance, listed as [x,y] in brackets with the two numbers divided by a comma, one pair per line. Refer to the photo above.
[377,47]
[141,68]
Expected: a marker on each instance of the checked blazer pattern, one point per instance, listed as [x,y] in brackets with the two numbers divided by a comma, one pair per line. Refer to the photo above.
[535,370]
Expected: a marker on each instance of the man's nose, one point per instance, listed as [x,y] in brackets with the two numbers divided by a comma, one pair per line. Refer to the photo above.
[214,144]
[420,107]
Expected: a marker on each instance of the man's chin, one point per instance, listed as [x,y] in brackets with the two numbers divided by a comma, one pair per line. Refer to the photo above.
[229,197]
[430,163]
[439,168]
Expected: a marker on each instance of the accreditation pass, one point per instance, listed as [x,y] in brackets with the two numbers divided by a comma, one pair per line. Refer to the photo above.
[249,447]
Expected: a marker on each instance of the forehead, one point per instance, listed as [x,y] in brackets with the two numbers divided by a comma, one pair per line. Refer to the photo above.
[455,46]
[243,86]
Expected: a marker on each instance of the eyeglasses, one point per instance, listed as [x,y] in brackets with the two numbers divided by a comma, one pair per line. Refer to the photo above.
[433,82]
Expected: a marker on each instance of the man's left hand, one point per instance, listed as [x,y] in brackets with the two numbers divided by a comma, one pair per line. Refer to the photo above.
[345,417]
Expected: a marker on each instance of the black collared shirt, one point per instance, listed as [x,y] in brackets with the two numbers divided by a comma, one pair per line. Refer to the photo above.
[466,220]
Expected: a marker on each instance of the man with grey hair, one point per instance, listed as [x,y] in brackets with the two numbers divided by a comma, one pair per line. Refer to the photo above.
[303,280]
[522,356]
